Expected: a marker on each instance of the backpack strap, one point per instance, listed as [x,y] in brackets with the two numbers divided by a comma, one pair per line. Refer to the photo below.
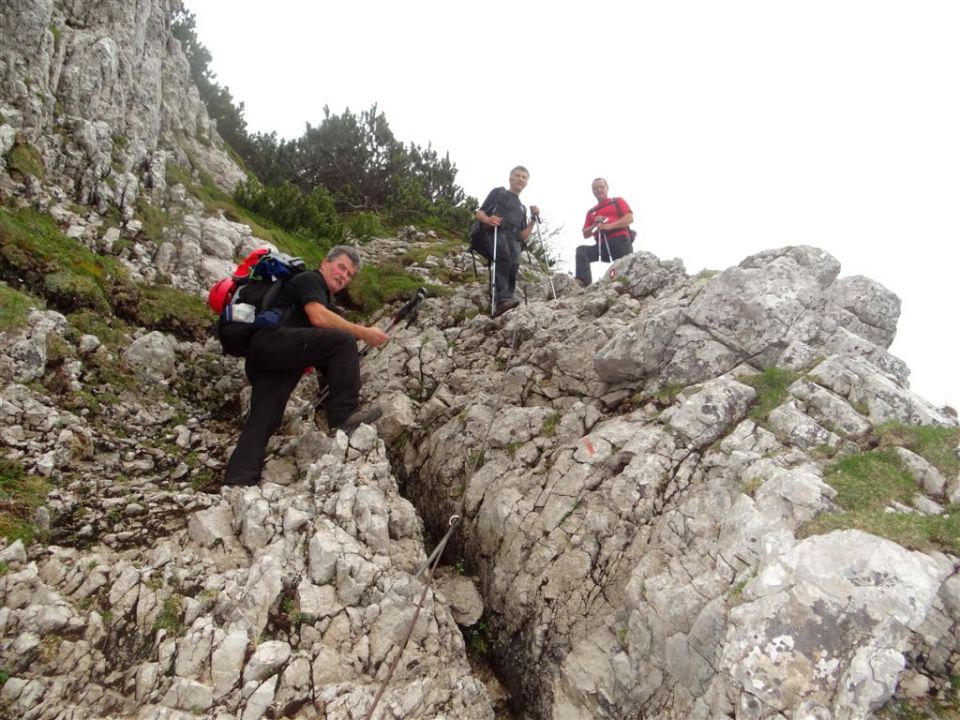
[596,208]
[497,194]
[620,214]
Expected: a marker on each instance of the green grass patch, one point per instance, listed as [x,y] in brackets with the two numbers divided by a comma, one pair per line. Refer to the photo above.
[112,332]
[75,290]
[113,373]
[771,386]
[20,495]
[166,308]
[203,479]
[866,484]
[512,448]
[916,532]
[203,187]
[375,286]
[417,254]
[946,707]
[667,395]
[870,480]
[936,445]
[549,428]
[35,253]
[169,616]
[24,159]
[311,251]
[15,306]
[155,220]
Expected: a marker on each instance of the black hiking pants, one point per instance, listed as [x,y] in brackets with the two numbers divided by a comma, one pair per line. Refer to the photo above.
[509,250]
[275,362]
[586,254]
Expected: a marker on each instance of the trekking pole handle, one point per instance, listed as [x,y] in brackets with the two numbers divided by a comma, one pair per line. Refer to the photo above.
[408,307]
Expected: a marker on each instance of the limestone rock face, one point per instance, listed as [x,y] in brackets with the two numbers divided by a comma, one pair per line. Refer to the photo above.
[636,533]
[98,85]
[334,592]
[637,537]
[101,93]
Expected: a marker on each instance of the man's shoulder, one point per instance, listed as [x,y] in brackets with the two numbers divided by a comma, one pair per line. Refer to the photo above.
[307,276]
[309,284]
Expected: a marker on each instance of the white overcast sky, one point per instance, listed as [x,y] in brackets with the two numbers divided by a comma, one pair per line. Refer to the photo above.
[730,127]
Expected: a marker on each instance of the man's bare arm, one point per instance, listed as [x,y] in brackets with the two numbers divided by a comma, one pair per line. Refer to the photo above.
[322,317]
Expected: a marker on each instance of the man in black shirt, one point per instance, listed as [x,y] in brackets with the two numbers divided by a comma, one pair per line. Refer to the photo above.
[502,209]
[310,335]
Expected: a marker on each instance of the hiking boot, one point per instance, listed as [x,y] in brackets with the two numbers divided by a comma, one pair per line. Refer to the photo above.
[359,417]
[505,305]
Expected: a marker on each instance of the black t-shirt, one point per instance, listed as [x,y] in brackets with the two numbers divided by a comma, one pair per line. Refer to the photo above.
[512,213]
[302,288]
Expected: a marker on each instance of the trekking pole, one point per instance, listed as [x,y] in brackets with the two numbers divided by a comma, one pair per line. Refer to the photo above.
[410,310]
[493,269]
[544,259]
[606,241]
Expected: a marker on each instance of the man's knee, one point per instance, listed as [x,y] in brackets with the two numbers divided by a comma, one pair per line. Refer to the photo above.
[341,337]
[332,340]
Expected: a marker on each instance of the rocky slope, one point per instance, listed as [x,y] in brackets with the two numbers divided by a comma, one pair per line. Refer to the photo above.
[637,533]
[655,533]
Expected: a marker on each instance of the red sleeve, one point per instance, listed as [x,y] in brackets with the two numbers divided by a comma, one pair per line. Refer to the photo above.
[589,221]
[622,206]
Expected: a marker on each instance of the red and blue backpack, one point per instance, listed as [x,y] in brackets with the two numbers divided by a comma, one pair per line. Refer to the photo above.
[245,300]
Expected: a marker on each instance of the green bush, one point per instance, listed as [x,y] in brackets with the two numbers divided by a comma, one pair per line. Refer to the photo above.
[365,225]
[354,157]
[306,215]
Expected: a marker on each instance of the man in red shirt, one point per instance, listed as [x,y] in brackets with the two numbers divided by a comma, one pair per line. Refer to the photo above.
[609,223]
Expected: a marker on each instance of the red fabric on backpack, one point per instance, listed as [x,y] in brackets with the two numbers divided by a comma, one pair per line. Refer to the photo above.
[221,294]
[246,266]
